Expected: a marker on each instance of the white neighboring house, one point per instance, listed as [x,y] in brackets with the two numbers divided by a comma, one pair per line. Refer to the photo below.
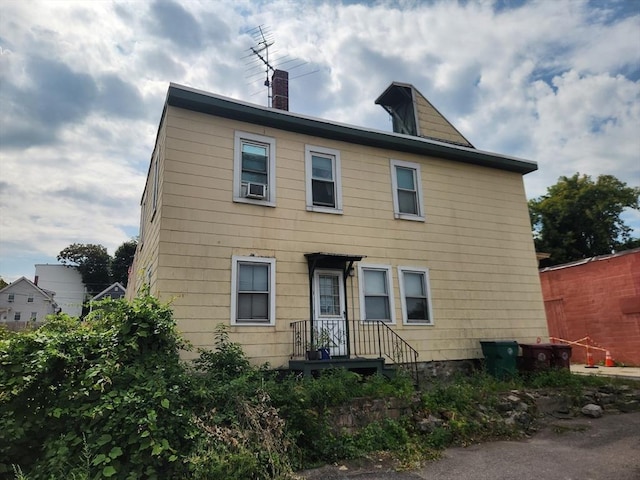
[66,282]
[23,301]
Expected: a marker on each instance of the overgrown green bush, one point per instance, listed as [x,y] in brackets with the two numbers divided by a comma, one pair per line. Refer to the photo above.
[112,387]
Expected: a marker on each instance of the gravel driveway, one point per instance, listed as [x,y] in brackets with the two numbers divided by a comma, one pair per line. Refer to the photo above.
[606,448]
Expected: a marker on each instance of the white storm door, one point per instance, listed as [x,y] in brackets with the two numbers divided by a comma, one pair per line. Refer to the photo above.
[329,311]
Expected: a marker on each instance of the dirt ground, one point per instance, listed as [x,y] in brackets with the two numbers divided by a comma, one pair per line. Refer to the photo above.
[578,448]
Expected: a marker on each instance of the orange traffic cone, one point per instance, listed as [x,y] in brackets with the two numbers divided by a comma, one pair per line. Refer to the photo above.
[608,361]
[590,363]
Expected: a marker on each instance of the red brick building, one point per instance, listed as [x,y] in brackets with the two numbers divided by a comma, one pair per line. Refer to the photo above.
[597,297]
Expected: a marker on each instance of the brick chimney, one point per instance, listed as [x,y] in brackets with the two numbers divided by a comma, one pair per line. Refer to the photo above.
[280,90]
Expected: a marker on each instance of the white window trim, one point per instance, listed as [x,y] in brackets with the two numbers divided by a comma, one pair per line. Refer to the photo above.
[425,271]
[156,181]
[337,178]
[270,200]
[392,307]
[394,184]
[235,260]
[143,207]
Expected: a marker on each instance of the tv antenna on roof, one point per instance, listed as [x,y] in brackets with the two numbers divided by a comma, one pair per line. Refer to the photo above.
[276,78]
[264,40]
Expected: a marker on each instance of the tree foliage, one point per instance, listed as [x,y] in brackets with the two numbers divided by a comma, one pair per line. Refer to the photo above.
[579,218]
[2,283]
[92,261]
[97,267]
[122,260]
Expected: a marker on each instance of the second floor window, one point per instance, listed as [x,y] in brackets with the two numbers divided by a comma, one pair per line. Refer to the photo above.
[324,189]
[407,190]
[254,169]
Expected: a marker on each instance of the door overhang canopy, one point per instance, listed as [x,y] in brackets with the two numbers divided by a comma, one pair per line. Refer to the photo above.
[339,261]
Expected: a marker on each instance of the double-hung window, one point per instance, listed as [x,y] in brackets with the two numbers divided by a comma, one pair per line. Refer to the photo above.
[407,190]
[30,298]
[156,181]
[143,207]
[376,293]
[323,182]
[415,294]
[17,316]
[254,169]
[253,295]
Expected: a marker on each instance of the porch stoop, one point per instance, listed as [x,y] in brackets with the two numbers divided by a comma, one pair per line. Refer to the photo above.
[362,347]
[364,366]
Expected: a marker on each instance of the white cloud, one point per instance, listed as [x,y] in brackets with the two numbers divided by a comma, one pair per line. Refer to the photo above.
[82,86]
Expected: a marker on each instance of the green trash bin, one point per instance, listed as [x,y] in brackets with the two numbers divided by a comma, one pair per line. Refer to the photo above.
[500,357]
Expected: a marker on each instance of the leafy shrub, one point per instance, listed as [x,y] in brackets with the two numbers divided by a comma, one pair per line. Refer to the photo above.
[112,386]
[243,435]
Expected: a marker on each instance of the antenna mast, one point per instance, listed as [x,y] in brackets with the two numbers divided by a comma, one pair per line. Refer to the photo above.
[261,50]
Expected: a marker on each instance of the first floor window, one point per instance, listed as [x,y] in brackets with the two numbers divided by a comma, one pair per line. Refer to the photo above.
[34,316]
[16,316]
[376,294]
[414,290]
[253,281]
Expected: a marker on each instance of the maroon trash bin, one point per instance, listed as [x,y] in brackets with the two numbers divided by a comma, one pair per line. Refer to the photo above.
[536,356]
[561,356]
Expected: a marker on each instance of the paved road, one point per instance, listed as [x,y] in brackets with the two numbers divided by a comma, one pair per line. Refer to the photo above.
[607,448]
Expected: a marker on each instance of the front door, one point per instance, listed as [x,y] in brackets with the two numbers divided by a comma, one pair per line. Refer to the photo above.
[329,326]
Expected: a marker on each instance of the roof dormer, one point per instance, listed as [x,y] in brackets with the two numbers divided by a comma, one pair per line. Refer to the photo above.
[413,114]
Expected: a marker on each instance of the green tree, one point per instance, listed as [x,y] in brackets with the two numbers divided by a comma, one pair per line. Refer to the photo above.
[92,261]
[579,218]
[122,260]
[2,283]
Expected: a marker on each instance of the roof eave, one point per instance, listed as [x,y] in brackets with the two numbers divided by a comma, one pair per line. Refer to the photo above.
[204,102]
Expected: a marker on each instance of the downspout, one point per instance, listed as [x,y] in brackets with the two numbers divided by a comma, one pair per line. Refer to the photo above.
[312,269]
[346,307]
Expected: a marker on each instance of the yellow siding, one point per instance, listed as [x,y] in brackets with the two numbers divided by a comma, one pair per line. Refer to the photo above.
[146,257]
[433,125]
[476,240]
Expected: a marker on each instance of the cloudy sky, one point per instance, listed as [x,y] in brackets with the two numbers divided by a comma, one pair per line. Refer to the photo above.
[82,85]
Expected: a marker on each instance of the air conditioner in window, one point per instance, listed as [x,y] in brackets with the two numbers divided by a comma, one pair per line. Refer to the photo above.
[256,190]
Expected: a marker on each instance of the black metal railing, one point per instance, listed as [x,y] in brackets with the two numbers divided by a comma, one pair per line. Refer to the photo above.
[354,339]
